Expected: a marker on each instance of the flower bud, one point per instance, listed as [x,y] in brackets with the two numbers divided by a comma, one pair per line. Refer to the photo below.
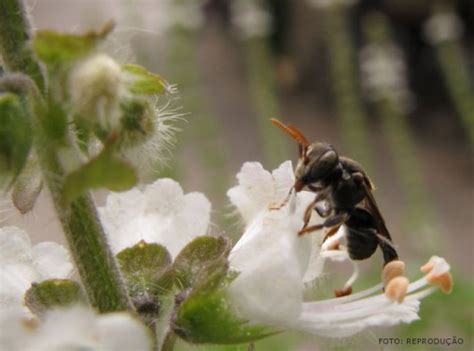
[53,293]
[138,122]
[95,86]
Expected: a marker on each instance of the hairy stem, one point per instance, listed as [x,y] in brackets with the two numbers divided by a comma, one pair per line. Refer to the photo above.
[86,238]
[15,35]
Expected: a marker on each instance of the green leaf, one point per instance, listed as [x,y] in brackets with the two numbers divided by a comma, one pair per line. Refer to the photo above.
[195,257]
[54,48]
[147,271]
[206,316]
[53,293]
[103,171]
[143,82]
[15,135]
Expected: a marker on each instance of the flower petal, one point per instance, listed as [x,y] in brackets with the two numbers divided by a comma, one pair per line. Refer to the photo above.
[162,214]
[120,331]
[15,280]
[344,324]
[271,259]
[51,260]
[15,246]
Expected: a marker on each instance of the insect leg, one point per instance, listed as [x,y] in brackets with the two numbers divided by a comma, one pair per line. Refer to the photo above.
[332,221]
[388,250]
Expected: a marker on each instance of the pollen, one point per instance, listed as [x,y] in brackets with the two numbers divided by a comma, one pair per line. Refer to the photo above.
[392,270]
[334,245]
[343,291]
[396,289]
[427,267]
[444,281]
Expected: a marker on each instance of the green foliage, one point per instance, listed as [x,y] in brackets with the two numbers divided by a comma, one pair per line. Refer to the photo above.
[206,316]
[15,135]
[55,48]
[104,171]
[195,257]
[144,82]
[147,271]
[53,293]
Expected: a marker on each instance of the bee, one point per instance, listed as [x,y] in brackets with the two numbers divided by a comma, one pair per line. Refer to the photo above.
[343,197]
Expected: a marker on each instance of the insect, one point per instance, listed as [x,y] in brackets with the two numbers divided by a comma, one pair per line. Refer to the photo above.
[343,196]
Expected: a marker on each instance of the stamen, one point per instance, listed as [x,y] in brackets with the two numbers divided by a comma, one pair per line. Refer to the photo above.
[334,245]
[392,270]
[396,289]
[443,281]
[343,292]
[427,267]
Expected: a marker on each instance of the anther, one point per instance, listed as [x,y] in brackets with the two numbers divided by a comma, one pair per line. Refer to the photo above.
[343,291]
[392,270]
[396,289]
[444,281]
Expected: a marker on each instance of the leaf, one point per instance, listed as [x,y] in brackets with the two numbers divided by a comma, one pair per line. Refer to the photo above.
[15,135]
[143,82]
[197,256]
[54,48]
[147,271]
[206,316]
[103,171]
[53,293]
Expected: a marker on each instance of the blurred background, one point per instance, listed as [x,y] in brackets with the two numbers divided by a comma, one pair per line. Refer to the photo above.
[388,82]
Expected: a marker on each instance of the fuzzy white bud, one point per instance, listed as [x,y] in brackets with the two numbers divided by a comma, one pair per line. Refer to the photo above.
[95,86]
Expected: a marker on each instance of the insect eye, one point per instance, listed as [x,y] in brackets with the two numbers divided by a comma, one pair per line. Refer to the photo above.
[324,165]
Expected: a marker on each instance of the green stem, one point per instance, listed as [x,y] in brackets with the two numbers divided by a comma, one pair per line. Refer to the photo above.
[418,209]
[260,73]
[456,76]
[87,241]
[86,238]
[169,342]
[15,36]
[343,70]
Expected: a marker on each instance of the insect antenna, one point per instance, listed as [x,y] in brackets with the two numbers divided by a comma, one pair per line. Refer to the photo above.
[303,143]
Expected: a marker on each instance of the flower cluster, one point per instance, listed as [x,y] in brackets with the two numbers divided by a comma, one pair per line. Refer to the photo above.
[272,265]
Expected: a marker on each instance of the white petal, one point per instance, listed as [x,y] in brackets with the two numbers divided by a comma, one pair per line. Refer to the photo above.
[164,196]
[67,329]
[162,214]
[15,246]
[15,279]
[254,191]
[51,261]
[343,324]
[120,331]
[121,207]
[271,259]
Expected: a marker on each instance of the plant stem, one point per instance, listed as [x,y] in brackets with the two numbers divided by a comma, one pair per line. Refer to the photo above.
[343,71]
[263,89]
[168,343]
[86,238]
[15,36]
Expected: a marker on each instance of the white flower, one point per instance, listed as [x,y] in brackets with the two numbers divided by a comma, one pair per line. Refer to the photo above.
[75,328]
[22,264]
[250,18]
[443,27]
[273,264]
[383,72]
[161,214]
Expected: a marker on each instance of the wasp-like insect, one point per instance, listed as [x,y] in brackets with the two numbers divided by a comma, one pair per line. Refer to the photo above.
[343,196]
